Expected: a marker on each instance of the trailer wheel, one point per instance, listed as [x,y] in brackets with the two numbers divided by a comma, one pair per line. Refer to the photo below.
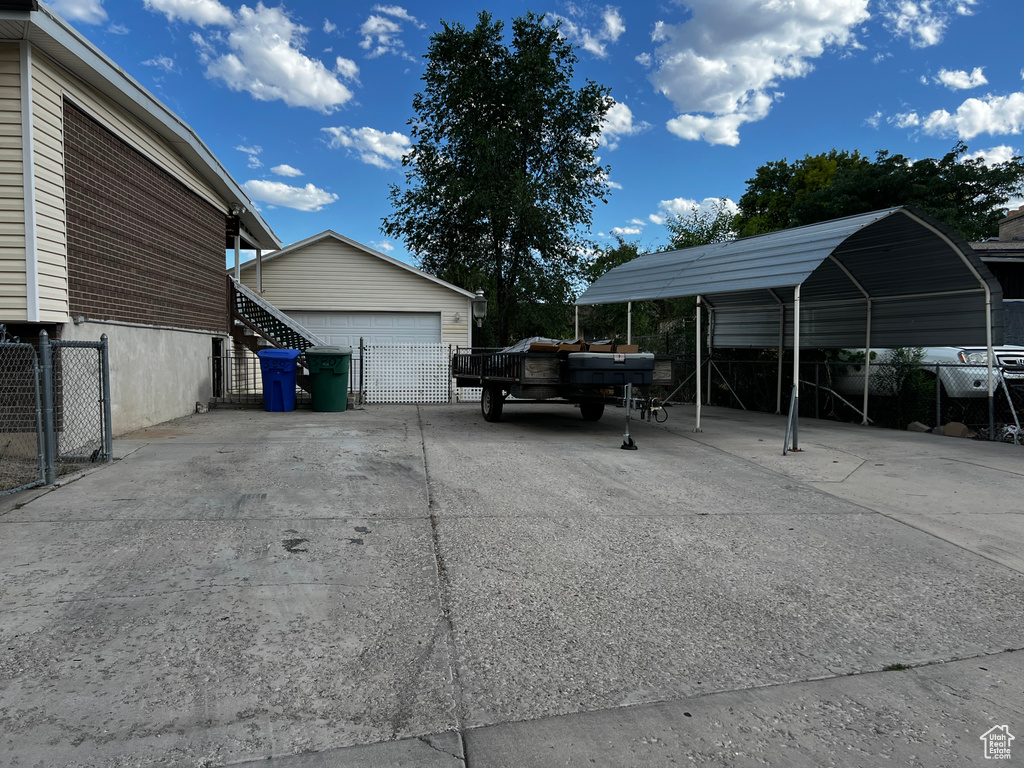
[491,401]
[591,411]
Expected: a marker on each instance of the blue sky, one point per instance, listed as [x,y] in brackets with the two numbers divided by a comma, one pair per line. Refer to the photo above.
[306,104]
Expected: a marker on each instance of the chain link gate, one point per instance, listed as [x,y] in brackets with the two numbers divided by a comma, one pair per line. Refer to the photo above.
[54,409]
[21,427]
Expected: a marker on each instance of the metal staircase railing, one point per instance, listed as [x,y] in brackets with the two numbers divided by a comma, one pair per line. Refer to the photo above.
[268,321]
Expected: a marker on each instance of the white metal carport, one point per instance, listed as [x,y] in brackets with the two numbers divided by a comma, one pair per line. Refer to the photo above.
[888,278]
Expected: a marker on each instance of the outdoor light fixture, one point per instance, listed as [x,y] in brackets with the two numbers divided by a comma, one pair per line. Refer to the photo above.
[479,308]
[236,209]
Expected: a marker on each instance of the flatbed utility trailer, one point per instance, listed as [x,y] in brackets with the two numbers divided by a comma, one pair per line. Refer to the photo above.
[565,373]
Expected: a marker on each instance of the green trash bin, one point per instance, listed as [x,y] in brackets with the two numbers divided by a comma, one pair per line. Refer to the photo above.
[328,374]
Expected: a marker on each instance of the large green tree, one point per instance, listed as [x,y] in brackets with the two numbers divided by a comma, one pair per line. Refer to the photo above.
[965,193]
[501,179]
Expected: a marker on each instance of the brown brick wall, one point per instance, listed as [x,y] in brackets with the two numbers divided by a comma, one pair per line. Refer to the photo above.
[1012,227]
[142,248]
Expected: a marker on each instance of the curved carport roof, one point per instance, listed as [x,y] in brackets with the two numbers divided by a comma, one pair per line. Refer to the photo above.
[889,278]
[925,284]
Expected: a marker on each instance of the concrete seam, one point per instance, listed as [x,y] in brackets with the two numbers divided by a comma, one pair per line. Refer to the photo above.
[763,686]
[443,588]
[861,505]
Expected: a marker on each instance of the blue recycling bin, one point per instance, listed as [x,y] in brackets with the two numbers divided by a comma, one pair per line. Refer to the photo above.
[278,368]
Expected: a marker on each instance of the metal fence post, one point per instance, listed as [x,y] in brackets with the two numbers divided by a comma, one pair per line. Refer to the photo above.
[108,437]
[49,432]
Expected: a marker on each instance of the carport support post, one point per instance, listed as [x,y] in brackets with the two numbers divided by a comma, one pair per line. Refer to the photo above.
[238,257]
[867,365]
[627,441]
[697,375]
[795,413]
[259,271]
[991,358]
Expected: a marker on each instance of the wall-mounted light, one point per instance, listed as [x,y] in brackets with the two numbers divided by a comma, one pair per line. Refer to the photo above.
[458,317]
[237,210]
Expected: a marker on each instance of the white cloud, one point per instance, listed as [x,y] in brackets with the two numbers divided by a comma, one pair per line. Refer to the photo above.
[644,60]
[347,68]
[625,231]
[266,60]
[118,29]
[329,27]
[993,156]
[874,120]
[399,12]
[905,120]
[199,12]
[285,170]
[995,115]
[166,63]
[923,22]
[89,11]
[959,80]
[384,150]
[307,198]
[638,222]
[611,29]
[618,122]
[253,152]
[683,206]
[381,34]
[384,245]
[721,68]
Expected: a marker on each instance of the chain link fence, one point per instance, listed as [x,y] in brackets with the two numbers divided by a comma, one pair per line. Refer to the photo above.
[80,397]
[21,425]
[899,392]
[54,409]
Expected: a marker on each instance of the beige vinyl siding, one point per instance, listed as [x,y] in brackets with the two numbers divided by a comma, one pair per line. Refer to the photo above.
[332,275]
[13,288]
[48,158]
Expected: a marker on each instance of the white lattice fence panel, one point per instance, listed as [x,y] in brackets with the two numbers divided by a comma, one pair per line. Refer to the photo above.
[468,394]
[407,373]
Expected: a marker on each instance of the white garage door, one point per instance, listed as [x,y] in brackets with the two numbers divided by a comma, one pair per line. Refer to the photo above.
[346,328]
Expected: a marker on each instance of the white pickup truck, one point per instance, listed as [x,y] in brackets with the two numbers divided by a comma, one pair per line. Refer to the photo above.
[962,371]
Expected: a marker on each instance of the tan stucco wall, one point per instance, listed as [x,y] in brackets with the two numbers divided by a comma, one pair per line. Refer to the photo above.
[155,374]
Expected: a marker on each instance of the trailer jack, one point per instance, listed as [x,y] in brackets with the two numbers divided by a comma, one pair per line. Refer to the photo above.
[627,441]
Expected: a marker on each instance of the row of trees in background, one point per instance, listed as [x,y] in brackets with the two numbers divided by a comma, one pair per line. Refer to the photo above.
[962,191]
[502,179]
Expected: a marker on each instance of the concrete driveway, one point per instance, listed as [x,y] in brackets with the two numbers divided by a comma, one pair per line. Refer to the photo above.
[408,585]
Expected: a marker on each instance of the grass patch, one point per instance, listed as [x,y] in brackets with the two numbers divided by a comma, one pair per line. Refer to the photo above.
[895,668]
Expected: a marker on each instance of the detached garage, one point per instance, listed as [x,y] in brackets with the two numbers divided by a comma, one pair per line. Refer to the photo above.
[343,291]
